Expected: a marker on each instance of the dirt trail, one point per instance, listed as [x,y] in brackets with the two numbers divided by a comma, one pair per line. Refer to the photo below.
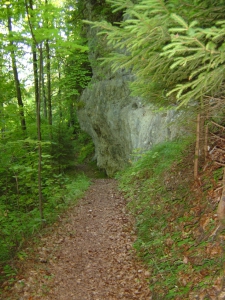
[88,255]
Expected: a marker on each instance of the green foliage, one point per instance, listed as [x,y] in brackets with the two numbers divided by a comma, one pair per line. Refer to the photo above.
[84,148]
[19,208]
[65,64]
[77,74]
[160,201]
[154,162]
[199,52]
[174,57]
[100,10]
[17,223]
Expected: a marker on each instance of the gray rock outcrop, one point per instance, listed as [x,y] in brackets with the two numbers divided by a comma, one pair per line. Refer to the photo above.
[119,123]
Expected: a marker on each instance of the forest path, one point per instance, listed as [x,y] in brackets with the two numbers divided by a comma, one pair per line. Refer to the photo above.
[87,255]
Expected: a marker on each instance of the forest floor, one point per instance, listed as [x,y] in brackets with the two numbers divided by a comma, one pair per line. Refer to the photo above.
[86,255]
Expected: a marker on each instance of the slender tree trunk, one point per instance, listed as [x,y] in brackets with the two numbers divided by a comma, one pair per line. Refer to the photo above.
[34,51]
[59,93]
[35,70]
[206,139]
[197,147]
[44,100]
[37,84]
[48,67]
[38,112]
[16,77]
[49,97]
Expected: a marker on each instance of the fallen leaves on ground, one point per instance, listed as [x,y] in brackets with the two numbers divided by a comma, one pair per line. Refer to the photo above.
[87,255]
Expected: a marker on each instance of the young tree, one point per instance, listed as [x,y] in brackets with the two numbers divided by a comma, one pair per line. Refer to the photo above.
[37,46]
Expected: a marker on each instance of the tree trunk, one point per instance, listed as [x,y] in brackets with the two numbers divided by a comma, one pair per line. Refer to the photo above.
[206,151]
[59,94]
[48,67]
[44,100]
[39,137]
[49,97]
[197,147]
[37,84]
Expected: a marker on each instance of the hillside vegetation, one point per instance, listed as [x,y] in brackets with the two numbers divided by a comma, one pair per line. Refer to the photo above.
[176,222]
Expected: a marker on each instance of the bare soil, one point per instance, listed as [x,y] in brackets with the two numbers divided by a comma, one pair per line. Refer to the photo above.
[86,255]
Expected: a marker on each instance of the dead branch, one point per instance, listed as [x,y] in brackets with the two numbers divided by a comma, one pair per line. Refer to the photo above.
[219,163]
[218,137]
[218,125]
[217,149]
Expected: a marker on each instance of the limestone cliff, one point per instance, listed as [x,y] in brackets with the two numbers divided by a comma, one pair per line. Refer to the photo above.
[117,122]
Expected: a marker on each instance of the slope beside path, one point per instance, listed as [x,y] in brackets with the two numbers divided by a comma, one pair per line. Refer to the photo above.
[88,255]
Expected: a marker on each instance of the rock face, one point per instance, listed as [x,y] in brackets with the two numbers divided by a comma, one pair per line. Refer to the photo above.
[119,123]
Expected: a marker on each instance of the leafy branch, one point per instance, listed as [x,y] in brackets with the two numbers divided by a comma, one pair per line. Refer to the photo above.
[200,54]
[176,57]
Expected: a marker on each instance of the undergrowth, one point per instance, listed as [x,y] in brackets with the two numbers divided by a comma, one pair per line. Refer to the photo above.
[174,222]
[17,226]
